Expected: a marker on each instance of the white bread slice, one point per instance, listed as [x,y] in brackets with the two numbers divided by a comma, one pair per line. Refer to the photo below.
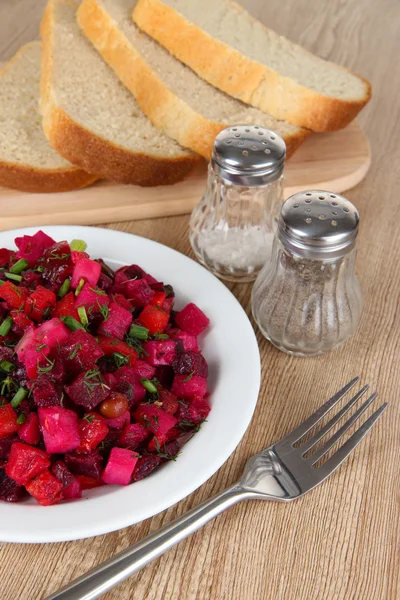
[236,53]
[27,161]
[173,97]
[91,118]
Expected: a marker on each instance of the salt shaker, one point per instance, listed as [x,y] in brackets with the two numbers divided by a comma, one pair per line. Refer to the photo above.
[231,230]
[307,299]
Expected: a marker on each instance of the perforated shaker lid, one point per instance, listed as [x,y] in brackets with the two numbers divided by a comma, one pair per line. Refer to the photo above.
[318,224]
[249,155]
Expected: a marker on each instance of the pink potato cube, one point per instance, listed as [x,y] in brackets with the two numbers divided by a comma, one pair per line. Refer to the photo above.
[192,320]
[117,323]
[188,341]
[86,269]
[60,429]
[52,333]
[143,369]
[187,386]
[132,436]
[29,431]
[90,296]
[120,466]
[154,419]
[161,352]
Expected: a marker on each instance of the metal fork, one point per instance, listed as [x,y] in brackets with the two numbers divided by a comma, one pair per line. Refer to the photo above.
[282,472]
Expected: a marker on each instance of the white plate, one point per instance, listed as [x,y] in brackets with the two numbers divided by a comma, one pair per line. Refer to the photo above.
[231,350]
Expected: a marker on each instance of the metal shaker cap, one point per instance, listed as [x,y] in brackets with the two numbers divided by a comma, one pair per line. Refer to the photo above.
[318,225]
[248,155]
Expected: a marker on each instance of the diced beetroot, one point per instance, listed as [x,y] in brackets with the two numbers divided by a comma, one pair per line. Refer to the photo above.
[88,389]
[45,488]
[154,319]
[117,323]
[92,429]
[132,436]
[119,422]
[25,462]
[105,282]
[89,464]
[139,292]
[165,375]
[162,352]
[60,429]
[9,490]
[189,416]
[171,449]
[191,319]
[189,341]
[154,419]
[40,301]
[21,321]
[79,351]
[143,369]
[66,307]
[169,401]
[44,392]
[5,257]
[92,299]
[71,486]
[168,304]
[120,466]
[129,384]
[29,431]
[191,362]
[5,446]
[139,391]
[145,466]
[52,333]
[186,386]
[57,264]
[110,380]
[122,301]
[12,294]
[31,248]
[8,421]
[86,269]
[201,406]
[88,483]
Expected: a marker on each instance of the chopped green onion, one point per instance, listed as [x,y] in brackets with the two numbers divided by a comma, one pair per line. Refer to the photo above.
[19,266]
[80,286]
[120,359]
[149,386]
[19,396]
[78,245]
[21,418]
[83,316]
[13,277]
[7,366]
[137,331]
[6,326]
[72,323]
[161,336]
[64,289]
[2,282]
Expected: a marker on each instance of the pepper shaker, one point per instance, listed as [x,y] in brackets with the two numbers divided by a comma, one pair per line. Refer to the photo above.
[231,230]
[307,299]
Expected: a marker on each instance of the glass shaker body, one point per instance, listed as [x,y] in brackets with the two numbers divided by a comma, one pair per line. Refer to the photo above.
[307,299]
[231,230]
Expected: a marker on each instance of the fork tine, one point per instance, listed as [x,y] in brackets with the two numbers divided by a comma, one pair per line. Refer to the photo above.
[309,423]
[340,455]
[332,441]
[322,432]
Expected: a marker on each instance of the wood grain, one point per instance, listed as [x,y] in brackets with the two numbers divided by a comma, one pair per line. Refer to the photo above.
[340,542]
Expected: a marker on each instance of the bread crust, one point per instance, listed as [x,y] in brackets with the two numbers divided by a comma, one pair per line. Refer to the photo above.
[241,77]
[30,179]
[167,111]
[93,152]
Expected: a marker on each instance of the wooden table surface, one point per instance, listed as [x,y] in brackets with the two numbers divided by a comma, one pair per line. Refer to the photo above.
[341,541]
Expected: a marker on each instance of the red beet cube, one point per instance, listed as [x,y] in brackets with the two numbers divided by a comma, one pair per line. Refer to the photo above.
[88,270]
[60,429]
[143,369]
[201,406]
[71,486]
[190,362]
[45,488]
[89,464]
[154,319]
[5,446]
[9,490]
[119,422]
[92,430]
[44,392]
[121,301]
[8,421]
[189,342]
[139,292]
[6,257]
[120,466]
[57,264]
[79,351]
[29,431]
[88,389]
[191,319]
[169,401]
[25,462]
[187,386]
[31,248]
[154,419]
[52,333]
[117,323]
[145,466]
[132,436]
[38,302]
[162,352]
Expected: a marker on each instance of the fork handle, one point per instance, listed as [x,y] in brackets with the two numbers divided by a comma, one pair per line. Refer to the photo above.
[113,571]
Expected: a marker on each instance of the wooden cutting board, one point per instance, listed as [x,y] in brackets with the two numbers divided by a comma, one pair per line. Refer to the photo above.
[334,161]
